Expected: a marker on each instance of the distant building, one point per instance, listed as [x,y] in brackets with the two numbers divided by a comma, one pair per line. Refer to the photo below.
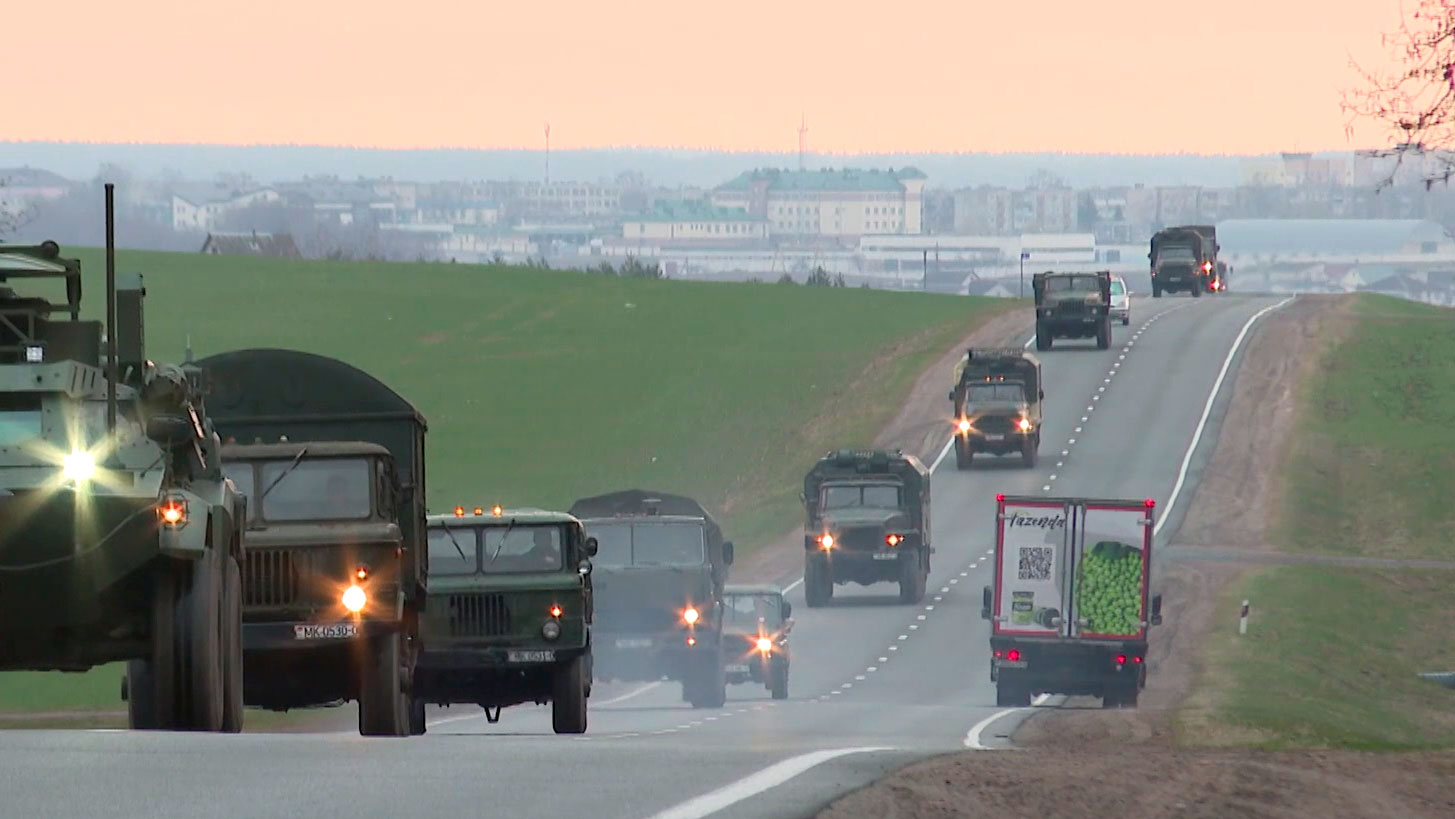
[829,203]
[22,187]
[278,245]
[1367,240]
[989,211]
[201,206]
[695,222]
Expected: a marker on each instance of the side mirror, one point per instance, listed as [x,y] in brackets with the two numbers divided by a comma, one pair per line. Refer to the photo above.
[1043,395]
[787,610]
[591,546]
[1156,609]
[985,602]
[169,430]
[952,395]
[787,625]
[727,553]
[585,568]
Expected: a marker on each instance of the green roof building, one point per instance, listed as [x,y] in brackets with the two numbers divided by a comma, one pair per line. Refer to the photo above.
[831,202]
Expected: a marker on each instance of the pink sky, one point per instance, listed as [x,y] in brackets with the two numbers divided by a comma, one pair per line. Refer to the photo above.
[1063,75]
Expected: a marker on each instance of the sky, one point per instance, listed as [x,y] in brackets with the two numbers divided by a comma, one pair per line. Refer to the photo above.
[1126,76]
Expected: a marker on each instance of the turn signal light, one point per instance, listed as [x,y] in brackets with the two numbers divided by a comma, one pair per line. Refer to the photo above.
[361,573]
[555,611]
[479,511]
[893,540]
[496,510]
[173,512]
[827,541]
[459,511]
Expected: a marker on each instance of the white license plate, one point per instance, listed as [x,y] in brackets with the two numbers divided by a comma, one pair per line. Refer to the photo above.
[634,642]
[1011,663]
[737,669]
[332,631]
[544,656]
[886,555]
[995,437]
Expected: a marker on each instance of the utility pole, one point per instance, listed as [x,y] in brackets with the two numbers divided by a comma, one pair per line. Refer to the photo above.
[1024,256]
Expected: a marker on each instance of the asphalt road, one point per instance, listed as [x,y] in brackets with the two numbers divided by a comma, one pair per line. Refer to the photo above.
[874,683]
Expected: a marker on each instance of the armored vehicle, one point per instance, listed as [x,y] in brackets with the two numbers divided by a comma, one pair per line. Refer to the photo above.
[119,535]
[510,614]
[868,522]
[1072,305]
[658,577]
[1185,258]
[997,398]
[332,462]
[758,617]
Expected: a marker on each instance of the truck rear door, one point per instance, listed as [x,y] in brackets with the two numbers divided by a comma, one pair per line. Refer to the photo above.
[1072,568]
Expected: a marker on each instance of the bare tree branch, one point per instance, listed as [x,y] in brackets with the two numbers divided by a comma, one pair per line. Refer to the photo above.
[1416,100]
[13,217]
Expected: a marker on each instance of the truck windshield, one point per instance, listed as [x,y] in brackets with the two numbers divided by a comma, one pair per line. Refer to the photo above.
[515,549]
[648,544]
[241,474]
[1070,284]
[19,426]
[444,551]
[872,495]
[745,610]
[1175,254]
[322,489]
[994,392]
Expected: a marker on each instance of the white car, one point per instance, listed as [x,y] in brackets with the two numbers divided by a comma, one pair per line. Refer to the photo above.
[1121,301]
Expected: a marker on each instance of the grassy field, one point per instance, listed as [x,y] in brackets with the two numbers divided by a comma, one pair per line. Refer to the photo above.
[544,386]
[1332,656]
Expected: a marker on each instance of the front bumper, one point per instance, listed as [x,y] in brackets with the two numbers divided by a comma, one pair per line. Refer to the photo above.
[995,443]
[649,657]
[285,636]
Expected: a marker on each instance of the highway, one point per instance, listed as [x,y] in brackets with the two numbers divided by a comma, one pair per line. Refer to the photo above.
[874,684]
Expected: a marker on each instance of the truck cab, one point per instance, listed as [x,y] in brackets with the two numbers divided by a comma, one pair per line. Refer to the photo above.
[997,399]
[1072,305]
[511,613]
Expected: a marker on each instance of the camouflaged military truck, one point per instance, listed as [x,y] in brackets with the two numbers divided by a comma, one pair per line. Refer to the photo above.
[119,535]
[510,614]
[997,397]
[1072,305]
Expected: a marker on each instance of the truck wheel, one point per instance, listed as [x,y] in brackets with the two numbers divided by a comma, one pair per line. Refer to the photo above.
[1127,319]
[1010,696]
[964,455]
[818,588]
[1103,334]
[141,696]
[383,705]
[197,647]
[232,649]
[778,683]
[1028,452]
[568,698]
[1156,290]
[1196,287]
[911,581]
[417,726]
[711,688]
[1043,337]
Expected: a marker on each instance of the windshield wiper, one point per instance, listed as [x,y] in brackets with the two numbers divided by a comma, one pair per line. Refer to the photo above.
[451,535]
[292,466]
[500,544]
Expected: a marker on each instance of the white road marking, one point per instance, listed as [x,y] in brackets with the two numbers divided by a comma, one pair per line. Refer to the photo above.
[914,626]
[1207,410]
[1078,429]
[972,737]
[955,580]
[918,617]
[895,648]
[871,669]
[1071,442]
[1065,452]
[1046,488]
[747,787]
[902,637]
[883,659]
[791,586]
[859,677]
[1060,464]
[630,694]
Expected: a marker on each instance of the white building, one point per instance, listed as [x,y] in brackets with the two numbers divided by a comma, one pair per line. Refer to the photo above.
[696,223]
[199,207]
[846,202]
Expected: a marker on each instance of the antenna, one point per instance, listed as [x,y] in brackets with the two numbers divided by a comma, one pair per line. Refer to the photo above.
[187,358]
[110,308]
[548,153]
[802,138]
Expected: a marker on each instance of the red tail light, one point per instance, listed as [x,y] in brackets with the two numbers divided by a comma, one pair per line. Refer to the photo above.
[1013,655]
[1121,659]
[1136,660]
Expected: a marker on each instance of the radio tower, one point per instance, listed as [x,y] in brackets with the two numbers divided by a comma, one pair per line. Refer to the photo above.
[802,139]
[548,153]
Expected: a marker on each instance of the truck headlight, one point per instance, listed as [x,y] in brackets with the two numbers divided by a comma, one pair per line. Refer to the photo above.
[690,615]
[963,426]
[551,630]
[354,599]
[765,645]
[1024,425]
[78,466]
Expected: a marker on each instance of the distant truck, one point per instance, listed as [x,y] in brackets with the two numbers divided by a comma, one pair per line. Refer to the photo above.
[510,614]
[1185,259]
[868,521]
[1070,606]
[658,579]
[119,534]
[758,615]
[997,397]
[1072,305]
[332,462]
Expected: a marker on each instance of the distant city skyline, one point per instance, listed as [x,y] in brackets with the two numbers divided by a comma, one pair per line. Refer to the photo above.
[1144,77]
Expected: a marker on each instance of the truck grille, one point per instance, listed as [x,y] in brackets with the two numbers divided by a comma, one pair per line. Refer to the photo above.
[994,424]
[1071,308]
[860,540]
[270,578]
[479,615]
[637,621]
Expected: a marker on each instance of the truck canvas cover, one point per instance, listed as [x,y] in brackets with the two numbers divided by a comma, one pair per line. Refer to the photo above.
[1072,568]
[643,503]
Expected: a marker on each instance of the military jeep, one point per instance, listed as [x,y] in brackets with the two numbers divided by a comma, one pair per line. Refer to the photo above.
[509,617]
[1072,305]
[756,622]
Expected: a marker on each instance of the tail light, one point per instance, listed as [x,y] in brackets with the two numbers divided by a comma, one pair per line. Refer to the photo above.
[1013,654]
[826,541]
[893,540]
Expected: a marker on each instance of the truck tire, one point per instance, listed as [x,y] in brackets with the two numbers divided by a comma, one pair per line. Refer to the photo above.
[141,696]
[417,725]
[710,688]
[1043,337]
[1011,696]
[1028,451]
[232,649]
[1196,287]
[818,588]
[1103,333]
[383,706]
[1127,319]
[1156,290]
[151,683]
[964,455]
[197,651]
[568,697]
[911,581]
[778,680]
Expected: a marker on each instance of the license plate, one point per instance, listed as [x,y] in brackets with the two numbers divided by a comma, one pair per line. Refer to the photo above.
[742,669]
[544,656]
[634,642]
[995,437]
[886,555]
[1011,663]
[332,631]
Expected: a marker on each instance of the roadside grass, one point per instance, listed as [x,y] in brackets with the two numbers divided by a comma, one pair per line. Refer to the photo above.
[541,387]
[1332,655]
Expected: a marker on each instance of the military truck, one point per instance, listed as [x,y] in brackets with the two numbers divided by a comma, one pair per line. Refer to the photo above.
[658,582]
[510,614]
[1184,259]
[868,522]
[1072,305]
[119,535]
[997,397]
[758,615]
[1219,282]
[332,461]
[1070,605]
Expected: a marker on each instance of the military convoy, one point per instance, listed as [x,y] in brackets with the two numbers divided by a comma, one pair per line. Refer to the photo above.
[119,535]
[510,616]
[997,396]
[658,579]
[332,463]
[1072,305]
[868,521]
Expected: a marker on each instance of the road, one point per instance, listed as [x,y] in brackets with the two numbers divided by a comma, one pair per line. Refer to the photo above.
[874,683]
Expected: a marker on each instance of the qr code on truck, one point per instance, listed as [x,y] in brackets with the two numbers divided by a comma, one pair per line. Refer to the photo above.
[1035,563]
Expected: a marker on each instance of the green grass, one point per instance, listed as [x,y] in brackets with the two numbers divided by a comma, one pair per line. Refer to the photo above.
[1332,654]
[544,386]
[40,691]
